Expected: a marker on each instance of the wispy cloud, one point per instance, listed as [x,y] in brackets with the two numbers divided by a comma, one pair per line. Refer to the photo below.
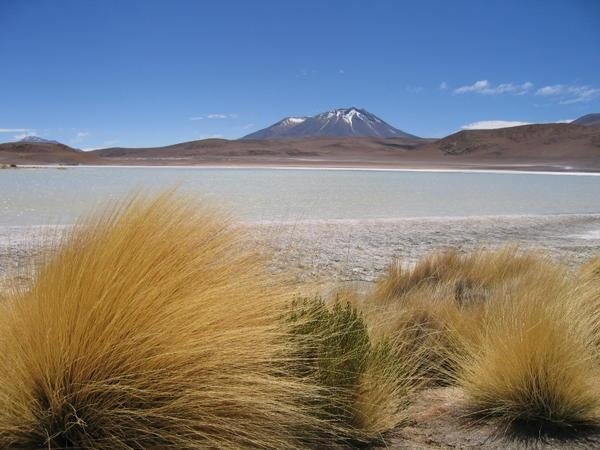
[414,89]
[564,94]
[495,124]
[567,94]
[484,87]
[15,130]
[215,116]
[248,126]
[305,73]
[443,86]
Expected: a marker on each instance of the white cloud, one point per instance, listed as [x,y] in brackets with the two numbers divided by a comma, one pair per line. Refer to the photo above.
[484,87]
[493,124]
[248,126]
[443,86]
[550,90]
[15,130]
[567,94]
[341,71]
[215,116]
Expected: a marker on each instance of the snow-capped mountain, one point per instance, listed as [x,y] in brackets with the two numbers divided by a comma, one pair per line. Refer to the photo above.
[37,140]
[343,122]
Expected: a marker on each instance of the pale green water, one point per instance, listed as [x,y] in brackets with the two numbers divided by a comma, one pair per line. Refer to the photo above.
[40,196]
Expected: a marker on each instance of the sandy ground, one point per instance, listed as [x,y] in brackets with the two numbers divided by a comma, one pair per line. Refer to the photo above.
[358,251]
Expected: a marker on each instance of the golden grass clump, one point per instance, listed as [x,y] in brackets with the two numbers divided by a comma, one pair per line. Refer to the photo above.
[438,303]
[535,362]
[151,325]
[519,333]
[470,275]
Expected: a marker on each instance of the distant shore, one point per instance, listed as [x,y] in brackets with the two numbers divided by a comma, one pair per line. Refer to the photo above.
[566,170]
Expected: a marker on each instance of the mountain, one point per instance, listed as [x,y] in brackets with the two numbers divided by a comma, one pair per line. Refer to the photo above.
[558,146]
[37,140]
[589,120]
[343,122]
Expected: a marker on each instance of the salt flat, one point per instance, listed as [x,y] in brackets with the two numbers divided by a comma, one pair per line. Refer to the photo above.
[359,250]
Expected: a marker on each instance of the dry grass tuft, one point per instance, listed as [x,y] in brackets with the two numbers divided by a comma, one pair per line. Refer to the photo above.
[470,276]
[534,363]
[437,305]
[152,325]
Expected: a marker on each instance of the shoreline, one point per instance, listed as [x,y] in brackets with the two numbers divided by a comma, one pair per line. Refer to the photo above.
[309,168]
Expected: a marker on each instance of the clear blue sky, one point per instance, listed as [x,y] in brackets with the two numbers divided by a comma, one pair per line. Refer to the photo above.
[139,73]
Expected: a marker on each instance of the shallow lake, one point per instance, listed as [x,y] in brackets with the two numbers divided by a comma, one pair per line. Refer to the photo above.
[49,195]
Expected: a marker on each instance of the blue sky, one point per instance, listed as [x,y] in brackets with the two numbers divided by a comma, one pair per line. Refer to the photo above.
[141,73]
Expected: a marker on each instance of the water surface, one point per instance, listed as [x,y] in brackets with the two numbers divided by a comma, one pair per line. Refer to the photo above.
[50,195]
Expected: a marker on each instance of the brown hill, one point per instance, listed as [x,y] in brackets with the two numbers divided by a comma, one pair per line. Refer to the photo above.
[558,144]
[313,151]
[24,153]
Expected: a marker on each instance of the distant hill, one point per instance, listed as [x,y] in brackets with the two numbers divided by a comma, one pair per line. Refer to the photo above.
[589,120]
[343,122]
[265,151]
[27,152]
[557,144]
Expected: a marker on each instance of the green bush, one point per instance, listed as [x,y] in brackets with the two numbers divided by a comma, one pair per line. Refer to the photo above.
[333,348]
